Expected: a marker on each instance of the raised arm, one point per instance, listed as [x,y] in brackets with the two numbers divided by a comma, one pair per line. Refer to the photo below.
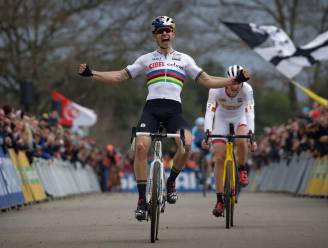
[110,77]
[209,81]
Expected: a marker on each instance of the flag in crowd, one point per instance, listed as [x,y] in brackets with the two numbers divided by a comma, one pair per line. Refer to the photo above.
[73,114]
[281,51]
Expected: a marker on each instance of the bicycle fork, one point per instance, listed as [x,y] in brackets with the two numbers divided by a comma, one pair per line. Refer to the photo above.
[161,181]
[230,161]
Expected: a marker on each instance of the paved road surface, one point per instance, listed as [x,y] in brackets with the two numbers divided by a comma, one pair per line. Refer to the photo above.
[106,220]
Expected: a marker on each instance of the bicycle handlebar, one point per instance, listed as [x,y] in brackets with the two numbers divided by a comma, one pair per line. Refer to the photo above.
[159,135]
[230,137]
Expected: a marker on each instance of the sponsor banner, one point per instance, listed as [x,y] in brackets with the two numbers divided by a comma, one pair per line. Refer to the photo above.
[303,176]
[324,189]
[187,181]
[317,179]
[24,187]
[30,177]
[3,193]
[11,180]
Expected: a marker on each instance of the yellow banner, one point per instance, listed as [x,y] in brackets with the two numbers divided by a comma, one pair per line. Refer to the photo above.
[31,177]
[317,178]
[324,188]
[24,186]
[311,94]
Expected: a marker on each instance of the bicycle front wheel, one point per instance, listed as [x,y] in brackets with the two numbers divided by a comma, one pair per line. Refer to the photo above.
[232,213]
[227,194]
[154,204]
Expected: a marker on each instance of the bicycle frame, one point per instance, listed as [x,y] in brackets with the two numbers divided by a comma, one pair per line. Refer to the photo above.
[161,188]
[230,158]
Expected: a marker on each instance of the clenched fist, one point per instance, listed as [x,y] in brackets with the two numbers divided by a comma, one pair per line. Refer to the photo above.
[242,76]
[85,70]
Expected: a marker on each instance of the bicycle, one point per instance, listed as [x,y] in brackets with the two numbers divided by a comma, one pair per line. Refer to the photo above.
[203,171]
[230,180]
[156,181]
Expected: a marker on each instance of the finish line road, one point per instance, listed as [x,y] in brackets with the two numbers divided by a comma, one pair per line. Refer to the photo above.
[107,220]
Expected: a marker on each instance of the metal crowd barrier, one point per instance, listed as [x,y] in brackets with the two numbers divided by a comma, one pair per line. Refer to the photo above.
[303,175]
[21,182]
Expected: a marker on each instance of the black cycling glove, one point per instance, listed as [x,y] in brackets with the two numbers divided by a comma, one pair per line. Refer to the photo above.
[87,72]
[240,78]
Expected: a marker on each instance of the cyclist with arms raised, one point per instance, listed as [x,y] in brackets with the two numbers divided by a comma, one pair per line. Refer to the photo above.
[231,104]
[166,71]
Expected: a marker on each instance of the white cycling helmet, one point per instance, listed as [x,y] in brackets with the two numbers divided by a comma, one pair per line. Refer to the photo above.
[200,121]
[162,22]
[233,70]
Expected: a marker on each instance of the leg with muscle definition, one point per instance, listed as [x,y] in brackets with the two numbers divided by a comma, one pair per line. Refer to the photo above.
[140,170]
[242,153]
[179,161]
[219,149]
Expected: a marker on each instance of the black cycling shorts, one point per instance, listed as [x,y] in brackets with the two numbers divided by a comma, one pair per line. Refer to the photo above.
[167,111]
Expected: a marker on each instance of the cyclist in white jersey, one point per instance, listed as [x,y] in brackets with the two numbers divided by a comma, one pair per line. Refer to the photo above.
[231,104]
[166,71]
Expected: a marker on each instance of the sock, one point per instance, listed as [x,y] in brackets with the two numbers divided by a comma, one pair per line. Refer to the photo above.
[219,197]
[141,185]
[174,174]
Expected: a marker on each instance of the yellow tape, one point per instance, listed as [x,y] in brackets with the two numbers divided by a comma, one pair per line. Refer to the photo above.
[311,94]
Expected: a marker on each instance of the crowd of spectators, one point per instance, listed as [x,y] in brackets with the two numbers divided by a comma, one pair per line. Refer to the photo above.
[306,133]
[46,138]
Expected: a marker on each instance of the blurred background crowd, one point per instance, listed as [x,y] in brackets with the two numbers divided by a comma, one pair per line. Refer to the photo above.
[43,137]
[306,133]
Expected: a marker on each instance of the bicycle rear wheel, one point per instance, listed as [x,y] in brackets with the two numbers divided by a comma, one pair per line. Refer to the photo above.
[227,195]
[154,209]
[203,176]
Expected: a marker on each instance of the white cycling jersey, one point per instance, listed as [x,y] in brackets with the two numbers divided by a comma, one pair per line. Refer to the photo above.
[166,74]
[238,109]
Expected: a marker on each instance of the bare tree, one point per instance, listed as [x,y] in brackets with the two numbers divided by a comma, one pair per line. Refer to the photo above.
[33,34]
